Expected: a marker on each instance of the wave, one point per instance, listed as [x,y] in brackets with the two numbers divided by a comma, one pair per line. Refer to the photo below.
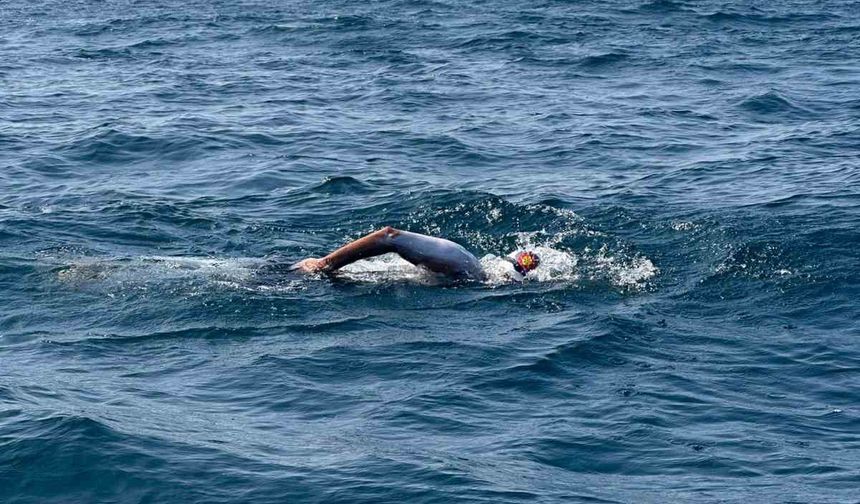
[773,103]
[342,184]
[508,39]
[663,7]
[102,54]
[108,145]
[317,328]
[757,16]
[603,60]
[70,451]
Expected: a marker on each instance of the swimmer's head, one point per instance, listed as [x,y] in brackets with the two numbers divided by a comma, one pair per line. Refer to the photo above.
[526,261]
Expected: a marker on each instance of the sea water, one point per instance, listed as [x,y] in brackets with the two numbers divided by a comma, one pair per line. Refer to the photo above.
[689,173]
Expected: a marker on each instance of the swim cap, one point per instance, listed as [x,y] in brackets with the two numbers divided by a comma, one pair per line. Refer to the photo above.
[525,262]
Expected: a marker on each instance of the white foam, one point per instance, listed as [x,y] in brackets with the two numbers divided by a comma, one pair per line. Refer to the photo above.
[683,225]
[555,266]
[625,272]
[387,268]
[141,272]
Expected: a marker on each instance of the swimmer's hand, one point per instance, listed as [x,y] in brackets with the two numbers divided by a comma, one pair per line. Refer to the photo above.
[309,265]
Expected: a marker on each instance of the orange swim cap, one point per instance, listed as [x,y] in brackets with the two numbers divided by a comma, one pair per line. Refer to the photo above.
[526,261]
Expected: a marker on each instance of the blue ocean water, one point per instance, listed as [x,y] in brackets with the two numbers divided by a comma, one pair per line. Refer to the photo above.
[691,171]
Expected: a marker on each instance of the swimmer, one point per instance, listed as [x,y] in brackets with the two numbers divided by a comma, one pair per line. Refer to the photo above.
[435,254]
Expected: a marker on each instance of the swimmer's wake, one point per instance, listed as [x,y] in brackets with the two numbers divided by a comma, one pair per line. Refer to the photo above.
[384,256]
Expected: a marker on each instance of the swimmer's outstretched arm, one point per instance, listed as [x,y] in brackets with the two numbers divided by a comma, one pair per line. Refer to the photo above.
[374,244]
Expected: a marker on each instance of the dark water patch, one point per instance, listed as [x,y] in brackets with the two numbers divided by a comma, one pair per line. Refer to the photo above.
[773,104]
[155,43]
[114,146]
[288,28]
[663,7]
[91,461]
[510,39]
[102,54]
[561,371]
[615,455]
[19,338]
[342,185]
[344,364]
[680,114]
[217,332]
[761,68]
[9,398]
[95,28]
[757,16]
[109,340]
[602,61]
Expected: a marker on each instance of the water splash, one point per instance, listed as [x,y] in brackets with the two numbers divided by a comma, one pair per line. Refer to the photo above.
[555,266]
[558,266]
[388,268]
[626,272]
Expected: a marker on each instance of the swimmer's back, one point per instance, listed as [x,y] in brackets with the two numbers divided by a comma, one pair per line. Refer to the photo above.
[436,254]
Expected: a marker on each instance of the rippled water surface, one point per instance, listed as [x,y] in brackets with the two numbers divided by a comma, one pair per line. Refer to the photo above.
[689,170]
